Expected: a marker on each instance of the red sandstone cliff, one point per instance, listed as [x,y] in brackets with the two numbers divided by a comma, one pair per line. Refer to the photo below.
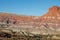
[48,23]
[53,15]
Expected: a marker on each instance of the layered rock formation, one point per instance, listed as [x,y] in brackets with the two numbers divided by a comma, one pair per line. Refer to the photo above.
[46,24]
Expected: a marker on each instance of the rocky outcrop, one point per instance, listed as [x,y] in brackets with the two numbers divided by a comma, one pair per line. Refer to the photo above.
[48,23]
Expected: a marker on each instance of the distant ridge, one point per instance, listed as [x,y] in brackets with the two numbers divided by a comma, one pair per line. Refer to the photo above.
[48,23]
[54,13]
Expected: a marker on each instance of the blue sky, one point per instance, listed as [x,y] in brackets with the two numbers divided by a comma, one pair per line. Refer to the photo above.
[27,7]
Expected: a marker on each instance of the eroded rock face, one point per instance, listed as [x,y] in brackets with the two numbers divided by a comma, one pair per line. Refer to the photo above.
[17,18]
[53,14]
[50,21]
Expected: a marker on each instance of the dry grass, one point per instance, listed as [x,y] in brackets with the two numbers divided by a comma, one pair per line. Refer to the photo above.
[19,36]
[22,37]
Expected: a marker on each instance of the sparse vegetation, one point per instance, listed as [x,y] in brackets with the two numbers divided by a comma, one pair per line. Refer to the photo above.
[16,36]
[12,35]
